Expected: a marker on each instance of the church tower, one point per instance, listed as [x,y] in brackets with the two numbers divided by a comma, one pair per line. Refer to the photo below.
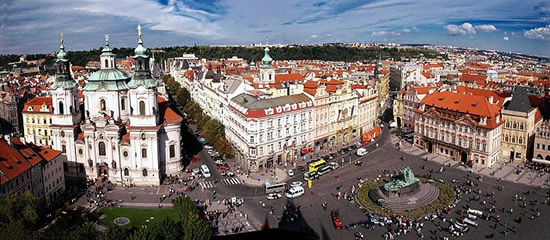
[267,71]
[144,109]
[66,110]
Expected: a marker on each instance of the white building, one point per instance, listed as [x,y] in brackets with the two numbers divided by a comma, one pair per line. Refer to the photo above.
[128,133]
[265,131]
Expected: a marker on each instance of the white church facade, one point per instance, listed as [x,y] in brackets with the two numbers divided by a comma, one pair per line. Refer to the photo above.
[124,131]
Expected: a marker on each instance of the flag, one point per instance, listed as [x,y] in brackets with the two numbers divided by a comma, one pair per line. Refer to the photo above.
[338,119]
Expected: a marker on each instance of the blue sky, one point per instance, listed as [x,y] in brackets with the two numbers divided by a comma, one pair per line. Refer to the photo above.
[30,26]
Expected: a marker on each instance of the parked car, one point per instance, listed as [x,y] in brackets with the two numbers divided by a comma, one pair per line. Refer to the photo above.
[334,165]
[195,159]
[223,167]
[273,196]
[290,172]
[296,183]
[230,174]
[220,162]
[358,163]
[336,219]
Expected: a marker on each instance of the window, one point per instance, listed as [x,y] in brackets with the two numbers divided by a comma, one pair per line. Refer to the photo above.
[251,139]
[122,104]
[125,154]
[102,106]
[106,63]
[126,172]
[60,109]
[172,151]
[144,172]
[80,151]
[141,108]
[63,148]
[101,147]
[144,152]
[113,164]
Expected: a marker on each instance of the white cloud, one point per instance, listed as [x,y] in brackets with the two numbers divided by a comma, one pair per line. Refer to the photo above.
[542,33]
[314,36]
[379,34]
[464,29]
[329,35]
[486,28]
[406,30]
[505,38]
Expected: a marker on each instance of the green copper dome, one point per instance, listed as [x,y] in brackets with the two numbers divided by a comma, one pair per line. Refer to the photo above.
[107,50]
[140,51]
[108,79]
[62,55]
[267,59]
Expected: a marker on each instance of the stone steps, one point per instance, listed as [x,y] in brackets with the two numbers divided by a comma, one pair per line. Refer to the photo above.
[427,194]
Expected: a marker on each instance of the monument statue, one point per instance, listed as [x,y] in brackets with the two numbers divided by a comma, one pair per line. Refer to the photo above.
[406,178]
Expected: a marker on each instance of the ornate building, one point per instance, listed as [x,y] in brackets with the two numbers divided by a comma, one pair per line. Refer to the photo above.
[124,131]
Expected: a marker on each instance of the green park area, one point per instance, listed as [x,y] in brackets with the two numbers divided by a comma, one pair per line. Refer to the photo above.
[137,216]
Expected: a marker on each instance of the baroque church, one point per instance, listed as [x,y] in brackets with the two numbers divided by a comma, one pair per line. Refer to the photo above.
[124,130]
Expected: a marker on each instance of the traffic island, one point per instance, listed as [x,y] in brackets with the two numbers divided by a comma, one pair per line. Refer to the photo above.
[405,195]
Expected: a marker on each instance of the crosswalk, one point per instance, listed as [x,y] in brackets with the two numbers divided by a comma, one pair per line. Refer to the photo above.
[225,181]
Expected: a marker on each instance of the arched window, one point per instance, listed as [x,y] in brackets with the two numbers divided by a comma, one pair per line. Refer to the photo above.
[106,63]
[507,124]
[513,139]
[515,125]
[145,172]
[101,147]
[521,126]
[113,164]
[520,140]
[126,172]
[61,107]
[90,163]
[548,157]
[102,105]
[539,156]
[122,104]
[141,108]
[506,138]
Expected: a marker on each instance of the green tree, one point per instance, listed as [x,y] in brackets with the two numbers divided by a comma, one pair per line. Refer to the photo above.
[213,130]
[140,234]
[168,229]
[87,232]
[202,121]
[115,233]
[22,208]
[15,230]
[183,206]
[195,228]
[183,96]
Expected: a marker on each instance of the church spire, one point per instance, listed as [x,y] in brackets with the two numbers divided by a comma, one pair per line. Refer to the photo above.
[142,72]
[266,59]
[62,75]
[140,50]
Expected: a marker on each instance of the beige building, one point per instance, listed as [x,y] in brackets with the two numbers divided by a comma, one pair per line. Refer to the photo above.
[8,109]
[542,144]
[37,118]
[518,131]
[343,111]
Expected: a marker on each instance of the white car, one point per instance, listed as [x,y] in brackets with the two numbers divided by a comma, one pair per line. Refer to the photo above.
[290,172]
[273,196]
[296,183]
[230,174]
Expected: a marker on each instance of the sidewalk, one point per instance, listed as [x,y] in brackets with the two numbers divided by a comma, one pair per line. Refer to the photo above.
[258,179]
[498,170]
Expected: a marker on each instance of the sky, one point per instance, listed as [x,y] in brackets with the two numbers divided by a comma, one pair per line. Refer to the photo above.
[33,26]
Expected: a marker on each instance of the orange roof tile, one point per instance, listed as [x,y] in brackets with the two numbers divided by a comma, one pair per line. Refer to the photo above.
[36,104]
[288,77]
[471,104]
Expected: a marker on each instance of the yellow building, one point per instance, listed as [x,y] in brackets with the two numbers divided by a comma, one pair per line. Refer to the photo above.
[520,123]
[37,118]
[343,112]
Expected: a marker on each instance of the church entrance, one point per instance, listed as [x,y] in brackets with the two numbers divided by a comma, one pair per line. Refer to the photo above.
[103,170]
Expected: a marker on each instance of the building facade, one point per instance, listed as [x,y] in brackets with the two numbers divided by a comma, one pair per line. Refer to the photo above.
[541,151]
[37,118]
[518,131]
[466,128]
[265,131]
[126,132]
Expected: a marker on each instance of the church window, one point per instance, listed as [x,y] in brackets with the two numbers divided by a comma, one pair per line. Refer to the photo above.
[122,104]
[80,151]
[172,151]
[61,107]
[125,154]
[90,163]
[270,77]
[62,133]
[101,147]
[145,172]
[113,164]
[144,152]
[102,105]
[141,108]
[63,148]
[106,63]
[126,172]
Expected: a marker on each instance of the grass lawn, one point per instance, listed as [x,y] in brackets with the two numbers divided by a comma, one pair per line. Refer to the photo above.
[137,216]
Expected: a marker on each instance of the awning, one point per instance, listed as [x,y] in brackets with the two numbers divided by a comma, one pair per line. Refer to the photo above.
[304,151]
[311,149]
[541,161]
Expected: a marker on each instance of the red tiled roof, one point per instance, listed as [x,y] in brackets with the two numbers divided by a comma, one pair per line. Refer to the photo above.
[423,90]
[335,82]
[384,71]
[331,88]
[427,75]
[310,91]
[311,84]
[428,66]
[358,86]
[36,104]
[288,77]
[471,104]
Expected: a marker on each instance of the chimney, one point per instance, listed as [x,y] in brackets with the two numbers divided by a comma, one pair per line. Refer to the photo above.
[490,98]
[8,138]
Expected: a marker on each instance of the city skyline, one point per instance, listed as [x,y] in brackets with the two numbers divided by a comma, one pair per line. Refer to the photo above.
[495,25]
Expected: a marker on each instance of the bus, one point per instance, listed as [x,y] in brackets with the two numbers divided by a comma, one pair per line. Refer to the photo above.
[274,187]
[315,165]
[205,171]
[324,170]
